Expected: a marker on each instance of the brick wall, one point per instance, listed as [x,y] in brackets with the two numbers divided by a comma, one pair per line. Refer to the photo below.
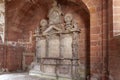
[14,58]
[114,44]
[116,17]
[114,58]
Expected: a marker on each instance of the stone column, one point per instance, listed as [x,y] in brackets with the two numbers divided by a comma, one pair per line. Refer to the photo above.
[75,53]
[75,45]
[47,46]
[36,51]
[61,46]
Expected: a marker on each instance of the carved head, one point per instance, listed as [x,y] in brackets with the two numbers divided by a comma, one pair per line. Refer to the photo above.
[68,17]
[54,3]
[55,13]
[43,23]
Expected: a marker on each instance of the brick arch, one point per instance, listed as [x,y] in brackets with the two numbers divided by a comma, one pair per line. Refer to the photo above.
[98,37]
[85,57]
[114,46]
[99,33]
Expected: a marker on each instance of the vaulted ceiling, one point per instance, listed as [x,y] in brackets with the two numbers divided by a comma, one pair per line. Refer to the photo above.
[25,15]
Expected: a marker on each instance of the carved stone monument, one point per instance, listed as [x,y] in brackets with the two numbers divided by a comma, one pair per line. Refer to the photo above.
[57,46]
[55,14]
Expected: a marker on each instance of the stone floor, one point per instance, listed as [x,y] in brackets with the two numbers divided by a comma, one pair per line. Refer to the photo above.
[19,76]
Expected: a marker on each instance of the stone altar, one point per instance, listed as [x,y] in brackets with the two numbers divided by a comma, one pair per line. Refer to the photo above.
[57,46]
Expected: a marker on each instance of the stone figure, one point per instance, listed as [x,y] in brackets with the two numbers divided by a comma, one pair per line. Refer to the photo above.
[68,18]
[55,14]
[68,21]
[43,25]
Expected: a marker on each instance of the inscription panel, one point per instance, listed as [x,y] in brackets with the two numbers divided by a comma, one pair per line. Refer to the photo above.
[41,48]
[65,70]
[66,43]
[49,69]
[54,48]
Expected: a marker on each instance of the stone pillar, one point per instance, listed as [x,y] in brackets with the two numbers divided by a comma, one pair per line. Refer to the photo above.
[61,47]
[105,72]
[75,53]
[47,44]
[75,45]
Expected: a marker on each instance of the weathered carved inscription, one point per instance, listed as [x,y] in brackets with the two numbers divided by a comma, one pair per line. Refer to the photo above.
[66,43]
[41,48]
[54,48]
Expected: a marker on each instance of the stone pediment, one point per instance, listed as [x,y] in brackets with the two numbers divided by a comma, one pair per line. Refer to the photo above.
[52,30]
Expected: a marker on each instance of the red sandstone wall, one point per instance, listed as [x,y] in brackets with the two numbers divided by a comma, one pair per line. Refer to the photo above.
[11,57]
[24,16]
[114,44]
[116,17]
[14,58]
[114,58]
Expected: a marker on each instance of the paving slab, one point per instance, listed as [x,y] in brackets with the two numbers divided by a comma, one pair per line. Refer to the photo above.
[20,76]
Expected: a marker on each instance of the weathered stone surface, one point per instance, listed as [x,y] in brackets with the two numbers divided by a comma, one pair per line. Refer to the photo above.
[22,76]
[66,43]
[2,22]
[65,70]
[61,44]
[49,69]
[54,48]
[41,48]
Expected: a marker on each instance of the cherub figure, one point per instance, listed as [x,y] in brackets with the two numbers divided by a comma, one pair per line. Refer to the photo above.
[43,25]
[68,21]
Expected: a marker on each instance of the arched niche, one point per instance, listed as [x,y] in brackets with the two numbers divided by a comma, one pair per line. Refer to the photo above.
[30,12]
[81,15]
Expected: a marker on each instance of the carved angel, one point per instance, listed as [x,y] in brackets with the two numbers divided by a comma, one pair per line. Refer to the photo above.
[43,25]
[68,21]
